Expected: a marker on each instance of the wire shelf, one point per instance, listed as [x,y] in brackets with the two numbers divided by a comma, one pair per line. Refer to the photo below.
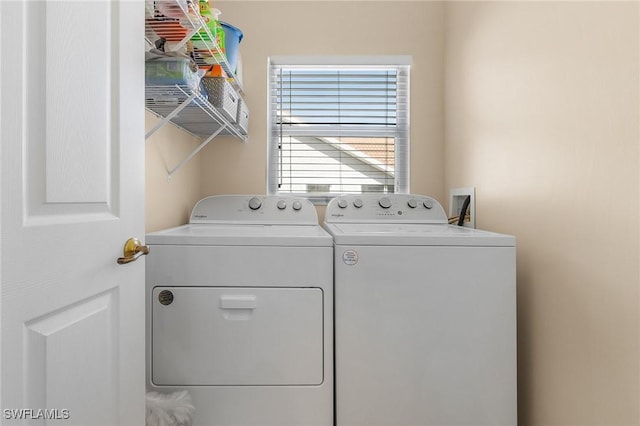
[179,21]
[187,109]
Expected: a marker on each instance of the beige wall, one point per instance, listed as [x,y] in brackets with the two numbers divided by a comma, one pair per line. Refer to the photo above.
[168,202]
[332,28]
[542,118]
[534,104]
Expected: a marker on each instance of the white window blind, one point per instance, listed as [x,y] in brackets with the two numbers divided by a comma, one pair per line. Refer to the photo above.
[338,128]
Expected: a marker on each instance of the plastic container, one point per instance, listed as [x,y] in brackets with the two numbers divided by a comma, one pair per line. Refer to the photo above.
[171,71]
[232,38]
[210,17]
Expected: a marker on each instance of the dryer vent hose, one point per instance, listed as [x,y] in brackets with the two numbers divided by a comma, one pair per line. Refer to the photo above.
[463,210]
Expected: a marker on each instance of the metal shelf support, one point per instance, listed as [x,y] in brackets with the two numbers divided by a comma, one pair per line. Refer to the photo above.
[195,151]
[172,114]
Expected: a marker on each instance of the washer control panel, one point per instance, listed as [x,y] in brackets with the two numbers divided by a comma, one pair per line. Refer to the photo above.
[254,209]
[381,208]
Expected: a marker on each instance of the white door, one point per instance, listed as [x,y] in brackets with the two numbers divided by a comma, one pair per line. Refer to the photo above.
[72,192]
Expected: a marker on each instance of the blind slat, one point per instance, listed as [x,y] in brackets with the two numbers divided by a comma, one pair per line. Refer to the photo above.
[338,130]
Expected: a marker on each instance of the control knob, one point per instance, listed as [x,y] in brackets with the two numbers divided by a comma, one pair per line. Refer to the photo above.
[357,203]
[428,204]
[412,203]
[255,203]
[342,203]
[297,205]
[384,202]
[282,204]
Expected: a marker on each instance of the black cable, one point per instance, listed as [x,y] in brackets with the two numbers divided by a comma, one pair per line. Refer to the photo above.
[463,210]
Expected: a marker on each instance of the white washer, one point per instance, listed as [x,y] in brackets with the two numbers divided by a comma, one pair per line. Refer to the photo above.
[240,312]
[425,316]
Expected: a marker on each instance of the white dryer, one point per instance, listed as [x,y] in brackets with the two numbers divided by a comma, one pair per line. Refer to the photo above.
[425,316]
[240,312]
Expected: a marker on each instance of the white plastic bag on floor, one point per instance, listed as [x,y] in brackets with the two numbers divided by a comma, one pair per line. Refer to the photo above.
[169,409]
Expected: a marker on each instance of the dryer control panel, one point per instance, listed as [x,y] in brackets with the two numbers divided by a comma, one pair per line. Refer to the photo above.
[254,209]
[384,208]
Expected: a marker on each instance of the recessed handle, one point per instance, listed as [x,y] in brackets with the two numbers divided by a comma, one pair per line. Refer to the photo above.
[133,249]
[238,302]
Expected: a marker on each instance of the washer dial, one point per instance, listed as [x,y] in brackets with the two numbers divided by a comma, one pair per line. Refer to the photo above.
[384,202]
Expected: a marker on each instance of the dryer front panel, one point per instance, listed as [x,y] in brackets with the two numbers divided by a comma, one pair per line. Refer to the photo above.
[237,336]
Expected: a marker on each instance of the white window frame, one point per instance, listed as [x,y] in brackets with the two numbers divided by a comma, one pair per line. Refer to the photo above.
[401,160]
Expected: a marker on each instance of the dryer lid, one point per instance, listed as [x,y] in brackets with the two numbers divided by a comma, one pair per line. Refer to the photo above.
[242,235]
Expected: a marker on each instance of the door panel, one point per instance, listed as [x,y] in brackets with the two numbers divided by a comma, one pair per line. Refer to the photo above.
[58,377]
[70,138]
[72,192]
[76,170]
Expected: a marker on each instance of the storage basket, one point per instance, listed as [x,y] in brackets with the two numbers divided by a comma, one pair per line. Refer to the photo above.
[222,96]
[243,117]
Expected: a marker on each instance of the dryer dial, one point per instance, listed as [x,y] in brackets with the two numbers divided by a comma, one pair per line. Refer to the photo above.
[342,203]
[255,203]
[282,204]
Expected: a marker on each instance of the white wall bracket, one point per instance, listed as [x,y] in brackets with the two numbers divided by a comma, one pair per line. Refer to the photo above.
[456,200]
[193,153]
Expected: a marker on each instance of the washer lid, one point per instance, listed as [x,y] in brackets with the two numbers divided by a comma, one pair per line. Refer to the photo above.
[241,235]
[412,234]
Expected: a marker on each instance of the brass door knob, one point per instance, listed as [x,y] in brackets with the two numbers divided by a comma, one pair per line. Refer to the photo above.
[133,249]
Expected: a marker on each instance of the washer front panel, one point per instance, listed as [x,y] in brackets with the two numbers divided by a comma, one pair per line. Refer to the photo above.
[425,336]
